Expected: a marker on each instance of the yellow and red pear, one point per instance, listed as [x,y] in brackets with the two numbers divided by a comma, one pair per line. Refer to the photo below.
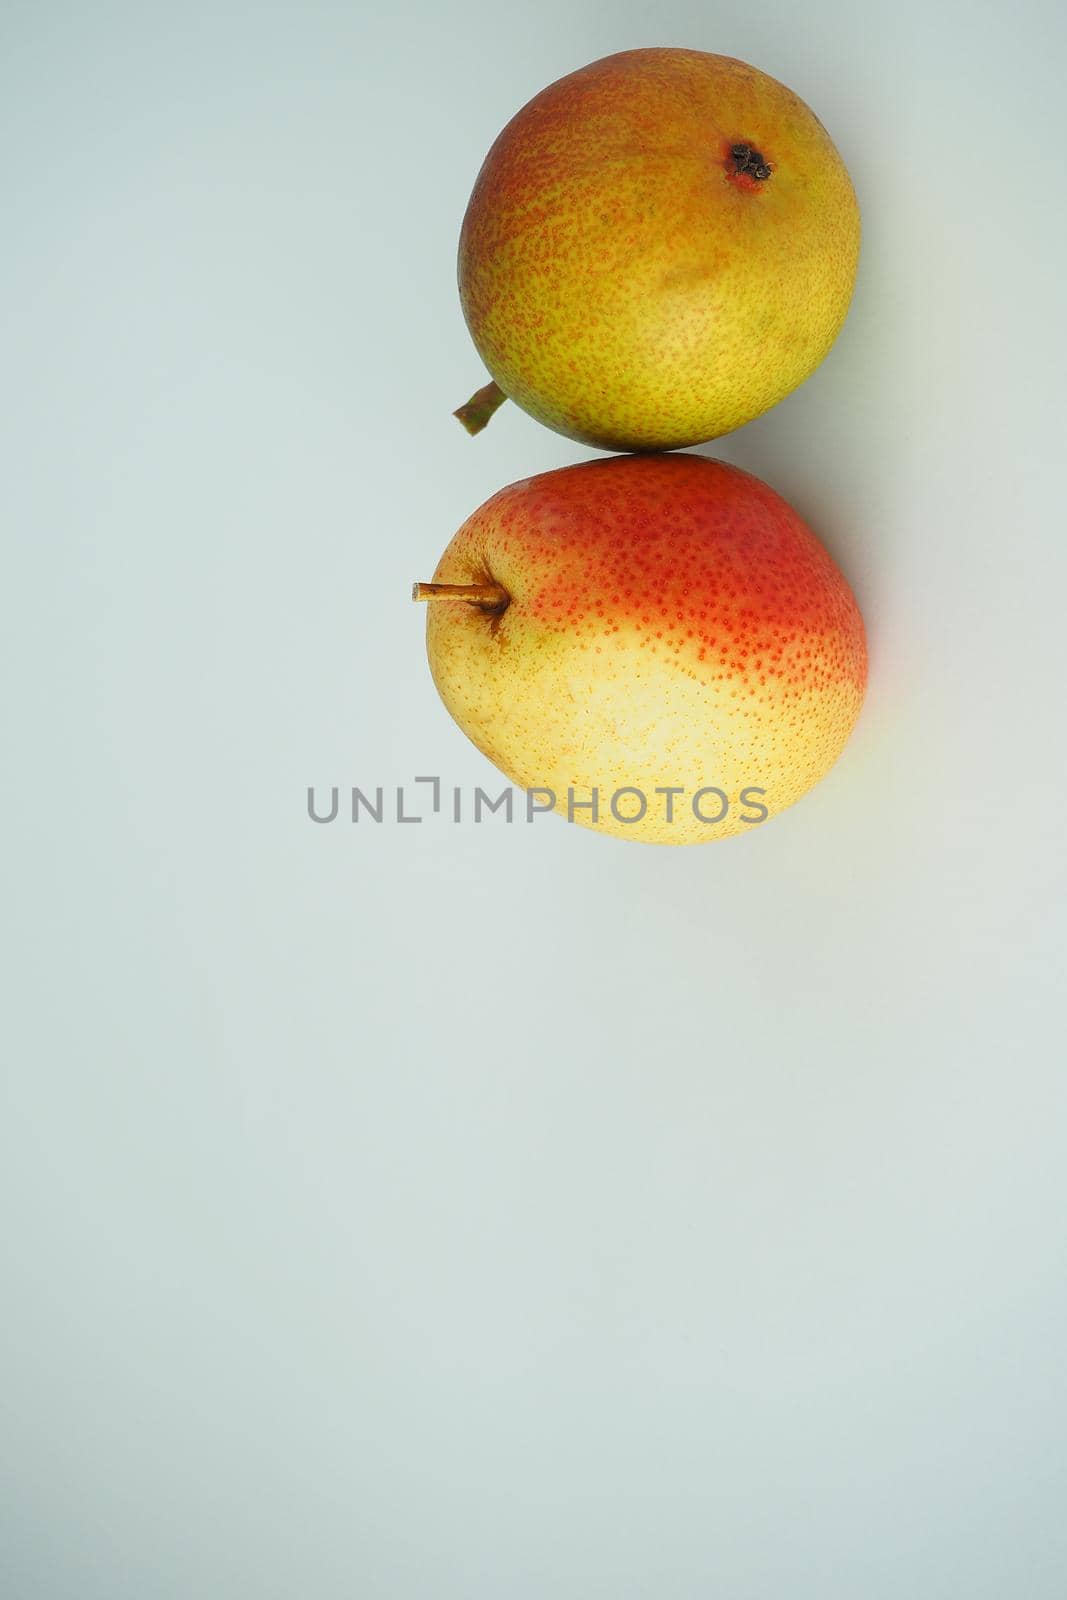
[658,248]
[644,623]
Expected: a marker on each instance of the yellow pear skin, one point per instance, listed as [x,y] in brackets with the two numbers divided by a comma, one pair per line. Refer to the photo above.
[658,248]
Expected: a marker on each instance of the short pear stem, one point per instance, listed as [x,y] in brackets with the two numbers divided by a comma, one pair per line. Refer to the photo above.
[480,407]
[490,596]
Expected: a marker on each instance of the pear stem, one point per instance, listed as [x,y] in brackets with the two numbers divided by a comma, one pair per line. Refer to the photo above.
[489,596]
[480,407]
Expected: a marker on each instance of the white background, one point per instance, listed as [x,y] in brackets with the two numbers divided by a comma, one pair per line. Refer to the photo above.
[499,1213]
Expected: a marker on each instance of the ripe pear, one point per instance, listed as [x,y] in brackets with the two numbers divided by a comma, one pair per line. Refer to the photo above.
[658,248]
[648,623]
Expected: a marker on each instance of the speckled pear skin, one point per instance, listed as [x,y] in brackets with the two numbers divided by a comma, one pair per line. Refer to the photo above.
[672,622]
[625,283]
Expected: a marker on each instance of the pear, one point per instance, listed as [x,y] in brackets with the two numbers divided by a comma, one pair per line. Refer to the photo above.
[656,643]
[658,248]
